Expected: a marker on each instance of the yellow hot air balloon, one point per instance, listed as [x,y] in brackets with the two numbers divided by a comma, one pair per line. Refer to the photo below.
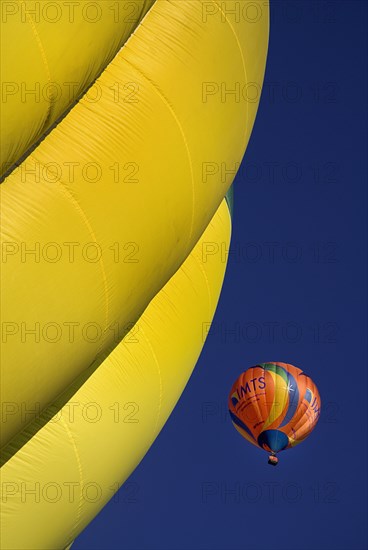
[121,141]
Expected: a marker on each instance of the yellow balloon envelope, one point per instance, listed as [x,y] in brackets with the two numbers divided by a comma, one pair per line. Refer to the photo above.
[123,132]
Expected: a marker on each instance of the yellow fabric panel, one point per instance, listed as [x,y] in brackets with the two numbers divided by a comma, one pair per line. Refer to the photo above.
[75,463]
[158,133]
[214,80]
[50,53]
[280,399]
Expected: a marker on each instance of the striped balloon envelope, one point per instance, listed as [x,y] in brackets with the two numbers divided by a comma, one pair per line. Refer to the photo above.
[274,406]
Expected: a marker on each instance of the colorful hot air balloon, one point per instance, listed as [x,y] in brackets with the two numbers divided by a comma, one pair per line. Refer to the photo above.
[274,406]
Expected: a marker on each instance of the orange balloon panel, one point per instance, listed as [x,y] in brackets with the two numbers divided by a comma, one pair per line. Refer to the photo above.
[274,405]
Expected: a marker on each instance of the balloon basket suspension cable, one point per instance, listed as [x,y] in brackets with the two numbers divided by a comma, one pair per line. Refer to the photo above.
[272,459]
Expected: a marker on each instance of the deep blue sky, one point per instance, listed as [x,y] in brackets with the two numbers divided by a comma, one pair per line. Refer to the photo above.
[200,486]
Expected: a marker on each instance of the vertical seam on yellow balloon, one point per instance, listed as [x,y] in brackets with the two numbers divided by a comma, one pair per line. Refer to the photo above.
[200,265]
[81,212]
[166,102]
[243,62]
[200,262]
[42,51]
[160,379]
[63,188]
[69,433]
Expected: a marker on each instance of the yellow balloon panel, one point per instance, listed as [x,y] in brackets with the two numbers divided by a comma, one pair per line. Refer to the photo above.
[104,211]
[58,476]
[50,53]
